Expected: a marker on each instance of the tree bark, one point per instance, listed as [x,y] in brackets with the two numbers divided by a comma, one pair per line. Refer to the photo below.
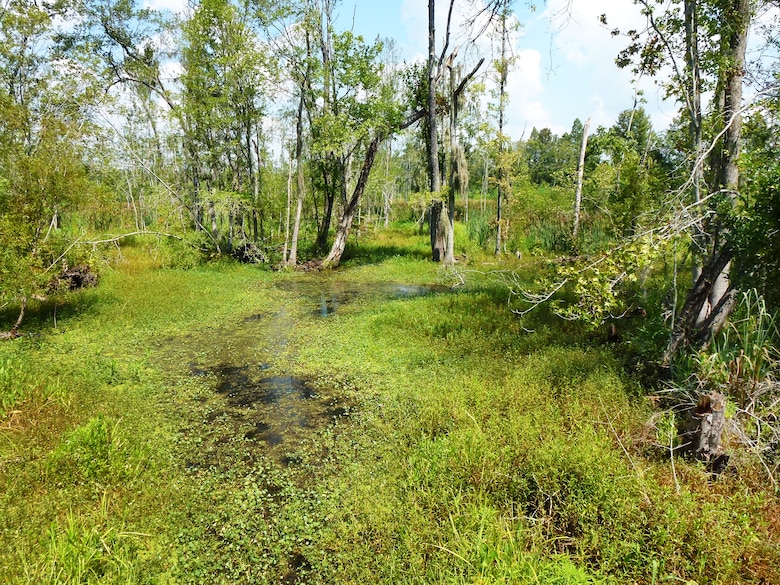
[437,221]
[706,425]
[14,332]
[350,209]
[327,215]
[287,208]
[503,71]
[695,327]
[292,260]
[433,139]
[580,175]
[300,191]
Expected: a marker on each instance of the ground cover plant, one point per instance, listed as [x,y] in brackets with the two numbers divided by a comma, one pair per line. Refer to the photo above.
[228,424]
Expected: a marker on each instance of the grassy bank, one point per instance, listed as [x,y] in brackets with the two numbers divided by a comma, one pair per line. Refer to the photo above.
[466,446]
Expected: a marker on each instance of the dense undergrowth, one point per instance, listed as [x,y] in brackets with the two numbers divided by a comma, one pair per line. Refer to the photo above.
[477,447]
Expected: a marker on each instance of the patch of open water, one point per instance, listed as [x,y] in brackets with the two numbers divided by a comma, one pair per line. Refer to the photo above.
[255,402]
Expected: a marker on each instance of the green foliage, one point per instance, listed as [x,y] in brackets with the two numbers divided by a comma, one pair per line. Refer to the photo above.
[44,130]
[626,173]
[754,229]
[94,451]
[479,229]
[601,287]
[552,160]
[87,550]
[745,353]
[474,451]
[549,236]
[13,387]
[743,364]
[185,252]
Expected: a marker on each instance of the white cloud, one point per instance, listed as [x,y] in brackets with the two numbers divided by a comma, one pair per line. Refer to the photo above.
[526,108]
[584,80]
[171,71]
[175,6]
[566,67]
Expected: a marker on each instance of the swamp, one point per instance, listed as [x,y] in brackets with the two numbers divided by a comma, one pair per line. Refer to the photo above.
[341,292]
[382,422]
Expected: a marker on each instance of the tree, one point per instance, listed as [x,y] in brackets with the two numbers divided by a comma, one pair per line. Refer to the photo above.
[543,154]
[632,176]
[366,113]
[754,228]
[45,132]
[502,66]
[442,241]
[710,37]
[580,174]
[221,110]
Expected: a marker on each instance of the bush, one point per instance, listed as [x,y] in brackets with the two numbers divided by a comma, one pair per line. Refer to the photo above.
[186,252]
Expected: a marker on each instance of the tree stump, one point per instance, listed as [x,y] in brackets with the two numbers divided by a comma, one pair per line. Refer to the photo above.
[708,420]
[710,414]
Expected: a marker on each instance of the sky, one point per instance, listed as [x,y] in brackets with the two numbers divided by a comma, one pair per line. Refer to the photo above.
[565,57]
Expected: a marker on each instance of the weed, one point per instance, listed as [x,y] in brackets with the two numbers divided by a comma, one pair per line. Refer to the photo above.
[94,451]
[13,387]
[475,450]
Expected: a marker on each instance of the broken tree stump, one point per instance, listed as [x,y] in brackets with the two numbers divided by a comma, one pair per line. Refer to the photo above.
[707,422]
[710,413]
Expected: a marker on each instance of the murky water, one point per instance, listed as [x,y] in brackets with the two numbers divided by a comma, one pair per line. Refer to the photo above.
[253,404]
[247,419]
[335,295]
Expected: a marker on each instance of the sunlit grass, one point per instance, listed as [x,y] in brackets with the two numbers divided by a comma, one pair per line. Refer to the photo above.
[479,448]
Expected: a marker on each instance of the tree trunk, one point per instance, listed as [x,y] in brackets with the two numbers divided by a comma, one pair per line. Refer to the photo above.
[713,296]
[706,307]
[580,175]
[327,215]
[437,219]
[351,207]
[704,429]
[433,139]
[14,332]
[292,260]
[288,209]
[255,190]
[449,256]
[458,171]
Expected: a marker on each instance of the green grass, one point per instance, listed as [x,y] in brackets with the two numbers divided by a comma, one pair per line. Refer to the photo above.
[478,448]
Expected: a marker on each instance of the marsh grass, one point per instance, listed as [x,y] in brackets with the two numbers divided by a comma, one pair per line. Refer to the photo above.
[477,448]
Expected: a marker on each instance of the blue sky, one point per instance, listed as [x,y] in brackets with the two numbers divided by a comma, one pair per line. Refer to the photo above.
[566,66]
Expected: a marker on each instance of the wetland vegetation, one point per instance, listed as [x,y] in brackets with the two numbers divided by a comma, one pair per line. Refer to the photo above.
[216,425]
